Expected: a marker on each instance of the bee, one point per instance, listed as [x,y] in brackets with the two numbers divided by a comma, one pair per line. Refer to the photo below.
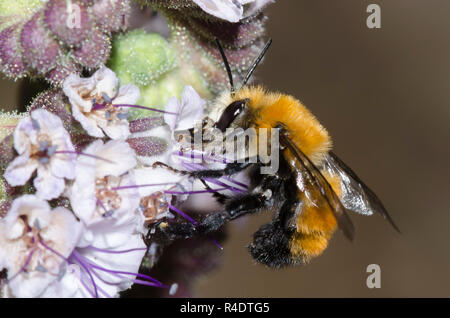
[311,193]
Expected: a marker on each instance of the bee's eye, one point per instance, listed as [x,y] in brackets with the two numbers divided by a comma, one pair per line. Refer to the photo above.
[230,113]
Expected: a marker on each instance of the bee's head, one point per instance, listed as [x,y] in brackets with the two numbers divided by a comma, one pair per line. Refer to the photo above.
[236,107]
[231,113]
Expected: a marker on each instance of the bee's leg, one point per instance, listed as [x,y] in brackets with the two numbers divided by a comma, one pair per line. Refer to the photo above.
[253,202]
[165,233]
[220,197]
[229,170]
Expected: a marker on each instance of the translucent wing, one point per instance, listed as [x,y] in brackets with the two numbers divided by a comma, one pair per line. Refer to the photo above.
[356,196]
[316,188]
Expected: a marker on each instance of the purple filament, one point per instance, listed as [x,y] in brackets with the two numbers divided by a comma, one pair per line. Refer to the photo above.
[98,106]
[220,183]
[142,185]
[187,217]
[82,154]
[194,192]
[191,166]
[115,252]
[85,267]
[102,206]
[236,182]
[145,283]
[144,107]
[194,166]
[88,266]
[84,284]
[79,259]
[99,288]
[22,269]
[215,242]
[202,156]
[158,283]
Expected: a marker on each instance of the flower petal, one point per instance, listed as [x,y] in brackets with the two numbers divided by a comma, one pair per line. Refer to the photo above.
[47,185]
[128,94]
[189,111]
[89,124]
[116,131]
[105,81]
[229,10]
[121,158]
[19,171]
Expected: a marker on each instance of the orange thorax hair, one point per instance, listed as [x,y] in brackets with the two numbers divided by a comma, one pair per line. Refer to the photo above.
[268,110]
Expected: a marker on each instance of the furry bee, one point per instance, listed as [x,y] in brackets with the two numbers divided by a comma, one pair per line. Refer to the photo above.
[309,196]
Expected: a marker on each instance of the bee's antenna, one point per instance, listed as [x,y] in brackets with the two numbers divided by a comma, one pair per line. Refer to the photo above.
[257,61]
[227,65]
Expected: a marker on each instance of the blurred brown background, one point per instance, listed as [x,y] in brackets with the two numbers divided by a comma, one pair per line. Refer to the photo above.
[384,96]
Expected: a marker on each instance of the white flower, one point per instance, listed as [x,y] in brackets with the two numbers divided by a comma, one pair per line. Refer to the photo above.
[188,111]
[103,189]
[157,187]
[231,10]
[34,240]
[106,262]
[179,115]
[96,103]
[43,144]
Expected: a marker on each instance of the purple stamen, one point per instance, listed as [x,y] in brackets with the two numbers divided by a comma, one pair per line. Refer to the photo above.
[144,107]
[82,154]
[202,156]
[98,106]
[194,166]
[86,266]
[52,250]
[24,266]
[85,285]
[99,288]
[102,206]
[194,192]
[145,283]
[124,273]
[115,252]
[215,242]
[236,182]
[187,217]
[220,183]
[191,166]
[142,185]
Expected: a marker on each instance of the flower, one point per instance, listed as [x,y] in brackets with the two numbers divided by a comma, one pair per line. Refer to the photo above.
[92,103]
[43,145]
[231,10]
[33,241]
[103,188]
[183,115]
[157,195]
[105,262]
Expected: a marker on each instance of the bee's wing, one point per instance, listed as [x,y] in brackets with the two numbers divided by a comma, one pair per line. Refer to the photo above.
[317,189]
[356,196]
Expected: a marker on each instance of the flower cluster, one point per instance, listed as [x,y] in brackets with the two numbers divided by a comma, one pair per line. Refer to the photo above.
[78,230]
[80,193]
[58,37]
